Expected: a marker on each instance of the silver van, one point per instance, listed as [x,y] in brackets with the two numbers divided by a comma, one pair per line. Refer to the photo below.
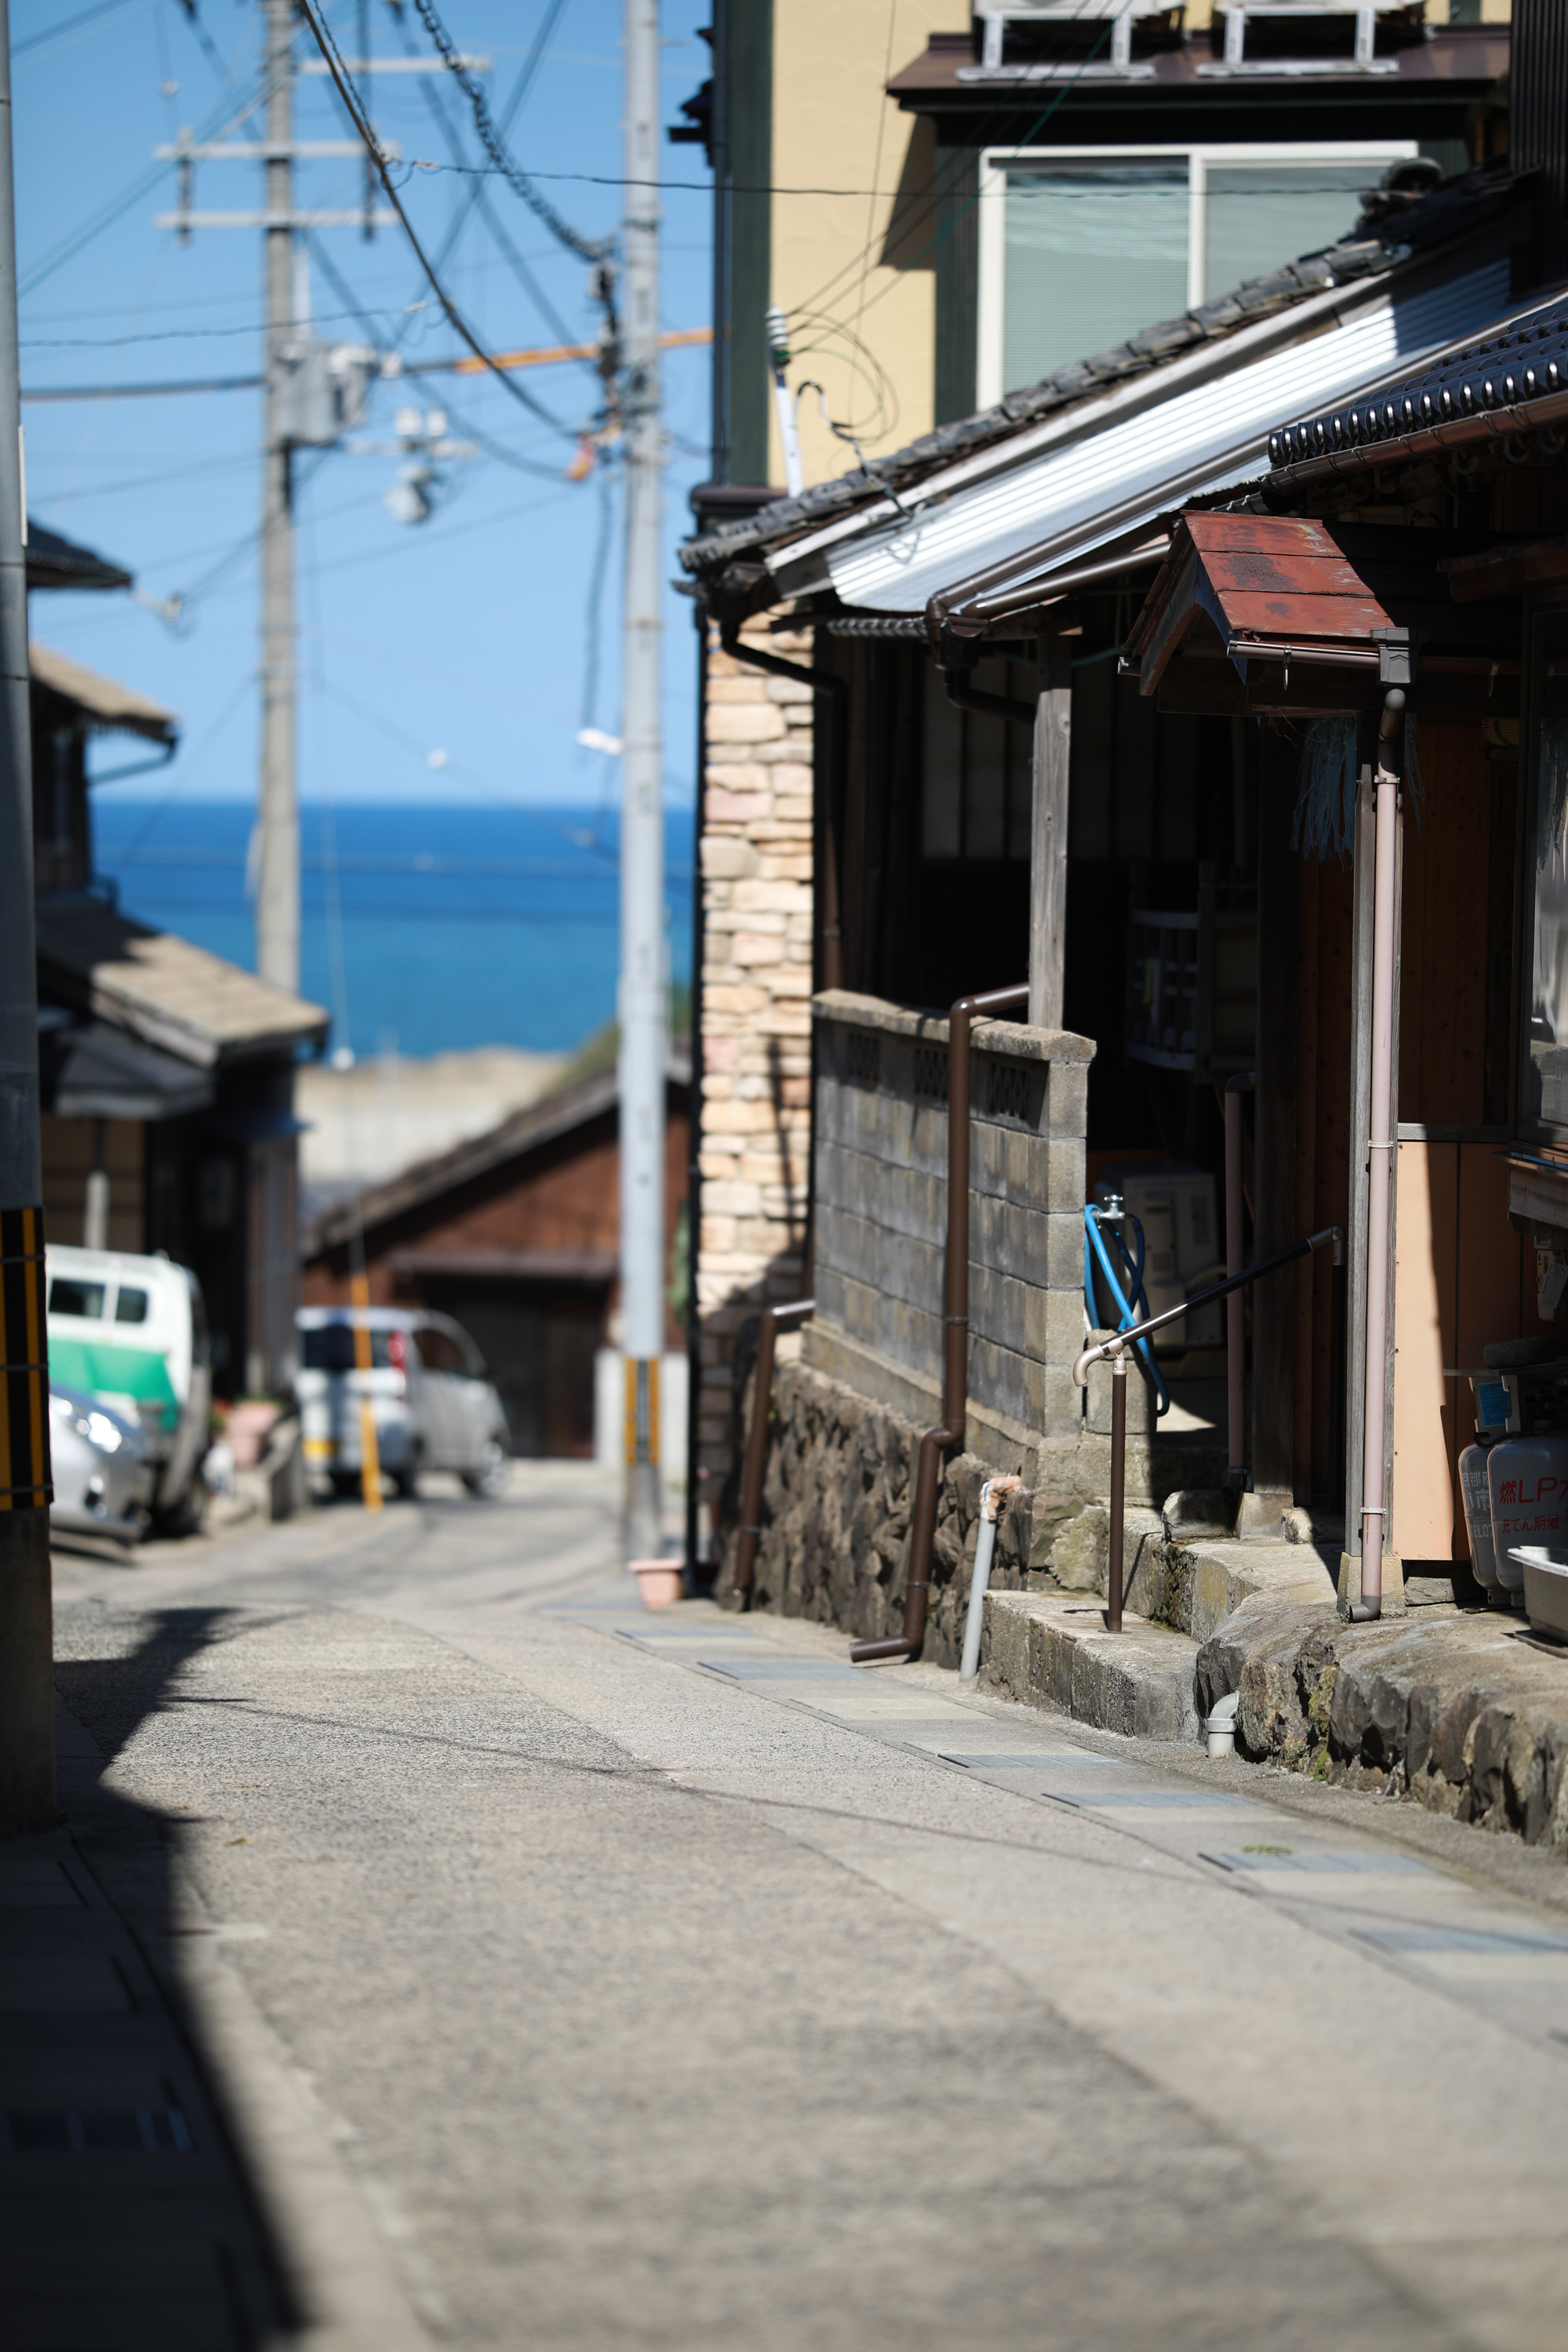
[429,1393]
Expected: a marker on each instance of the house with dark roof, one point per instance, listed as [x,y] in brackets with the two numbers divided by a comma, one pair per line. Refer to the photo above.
[516,1234]
[167,1073]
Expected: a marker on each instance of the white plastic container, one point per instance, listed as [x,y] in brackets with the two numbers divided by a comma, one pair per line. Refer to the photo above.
[1545,1589]
[1476,1498]
[1527,1485]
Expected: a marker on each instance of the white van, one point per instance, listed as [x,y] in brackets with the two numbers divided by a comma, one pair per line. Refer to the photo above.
[433,1404]
[132,1332]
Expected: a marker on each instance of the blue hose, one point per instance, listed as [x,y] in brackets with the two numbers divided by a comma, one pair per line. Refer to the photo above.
[1130,1304]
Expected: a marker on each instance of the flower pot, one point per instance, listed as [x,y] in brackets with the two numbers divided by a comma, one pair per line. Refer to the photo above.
[661,1582]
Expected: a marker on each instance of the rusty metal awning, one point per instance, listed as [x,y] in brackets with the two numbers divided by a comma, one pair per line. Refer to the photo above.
[1273,594]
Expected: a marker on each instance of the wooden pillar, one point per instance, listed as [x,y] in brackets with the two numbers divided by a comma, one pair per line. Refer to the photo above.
[1048,836]
[1274,1202]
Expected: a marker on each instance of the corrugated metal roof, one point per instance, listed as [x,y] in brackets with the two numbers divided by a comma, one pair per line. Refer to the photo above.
[1106,473]
[1394,227]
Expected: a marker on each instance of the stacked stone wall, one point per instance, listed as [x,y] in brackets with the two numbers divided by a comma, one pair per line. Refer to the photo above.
[755,1048]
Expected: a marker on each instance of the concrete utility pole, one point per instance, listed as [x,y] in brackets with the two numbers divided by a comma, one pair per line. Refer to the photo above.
[277,816]
[27,1662]
[642,990]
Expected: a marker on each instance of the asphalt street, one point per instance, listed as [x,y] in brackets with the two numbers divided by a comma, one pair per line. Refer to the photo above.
[562,1975]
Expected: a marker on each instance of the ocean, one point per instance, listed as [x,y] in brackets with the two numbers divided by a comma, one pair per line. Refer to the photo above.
[423,929]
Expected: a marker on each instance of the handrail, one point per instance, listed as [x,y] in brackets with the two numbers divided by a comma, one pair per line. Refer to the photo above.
[1114,1350]
[774,1319]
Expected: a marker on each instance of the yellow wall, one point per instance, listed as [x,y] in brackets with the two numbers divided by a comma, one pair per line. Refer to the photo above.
[851,268]
[862,327]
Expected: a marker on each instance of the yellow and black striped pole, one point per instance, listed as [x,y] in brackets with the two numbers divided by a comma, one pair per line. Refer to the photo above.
[26,1663]
[24,1361]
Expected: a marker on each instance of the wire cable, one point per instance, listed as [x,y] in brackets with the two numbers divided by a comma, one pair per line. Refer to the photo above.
[589,249]
[352,101]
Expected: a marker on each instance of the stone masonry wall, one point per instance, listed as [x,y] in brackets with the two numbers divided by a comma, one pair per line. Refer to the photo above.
[836,1520]
[755,1065]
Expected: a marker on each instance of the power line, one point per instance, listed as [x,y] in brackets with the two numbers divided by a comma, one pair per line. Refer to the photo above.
[350,99]
[589,249]
[58,32]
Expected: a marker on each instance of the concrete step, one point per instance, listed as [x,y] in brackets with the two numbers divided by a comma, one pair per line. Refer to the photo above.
[1054,1650]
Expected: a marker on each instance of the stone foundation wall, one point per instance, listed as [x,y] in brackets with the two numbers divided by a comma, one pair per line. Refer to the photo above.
[835,1521]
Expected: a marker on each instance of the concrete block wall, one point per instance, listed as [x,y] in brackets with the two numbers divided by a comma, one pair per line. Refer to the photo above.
[881,1212]
[755,1048]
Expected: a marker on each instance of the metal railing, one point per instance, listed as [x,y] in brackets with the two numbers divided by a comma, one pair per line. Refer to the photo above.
[1114,1351]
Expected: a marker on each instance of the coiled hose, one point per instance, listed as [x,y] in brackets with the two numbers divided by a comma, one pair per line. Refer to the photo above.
[1130,1304]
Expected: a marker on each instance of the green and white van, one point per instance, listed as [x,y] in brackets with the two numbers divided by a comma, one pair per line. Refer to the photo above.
[132,1332]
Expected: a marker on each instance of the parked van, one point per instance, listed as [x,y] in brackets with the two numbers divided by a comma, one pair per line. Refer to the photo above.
[132,1332]
[434,1405]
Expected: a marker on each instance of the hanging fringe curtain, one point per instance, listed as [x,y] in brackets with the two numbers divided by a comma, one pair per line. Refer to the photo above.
[1325,792]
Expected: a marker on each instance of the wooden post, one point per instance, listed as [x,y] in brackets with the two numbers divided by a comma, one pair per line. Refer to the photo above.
[1048,837]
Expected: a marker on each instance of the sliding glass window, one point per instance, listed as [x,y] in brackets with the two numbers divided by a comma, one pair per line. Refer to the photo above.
[1081,248]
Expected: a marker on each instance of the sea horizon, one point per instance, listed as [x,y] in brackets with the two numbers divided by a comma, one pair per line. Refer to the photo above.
[423,928]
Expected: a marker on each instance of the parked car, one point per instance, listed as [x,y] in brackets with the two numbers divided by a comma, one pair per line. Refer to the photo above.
[132,1333]
[431,1397]
[104,1473]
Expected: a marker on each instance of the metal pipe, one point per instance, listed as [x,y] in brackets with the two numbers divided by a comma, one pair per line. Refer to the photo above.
[1115,1349]
[964,696]
[949,1431]
[1234,1259]
[1337,1368]
[821,682]
[1118,1492]
[1380,1153]
[775,1320]
[993,1503]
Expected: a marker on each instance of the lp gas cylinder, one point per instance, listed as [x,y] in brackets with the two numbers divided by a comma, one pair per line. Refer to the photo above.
[1478,1504]
[1527,1485]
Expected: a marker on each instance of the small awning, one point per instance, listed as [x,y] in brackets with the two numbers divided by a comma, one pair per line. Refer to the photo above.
[1273,594]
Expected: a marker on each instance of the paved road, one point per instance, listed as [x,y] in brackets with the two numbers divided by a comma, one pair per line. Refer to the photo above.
[659,1981]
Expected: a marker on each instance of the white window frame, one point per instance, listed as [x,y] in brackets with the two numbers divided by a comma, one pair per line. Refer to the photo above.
[996,162]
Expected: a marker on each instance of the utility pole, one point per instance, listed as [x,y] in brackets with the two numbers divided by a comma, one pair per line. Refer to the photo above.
[278,889]
[27,1662]
[314,392]
[642,990]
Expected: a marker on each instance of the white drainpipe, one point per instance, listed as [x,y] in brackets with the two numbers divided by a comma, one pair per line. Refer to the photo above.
[1379,1154]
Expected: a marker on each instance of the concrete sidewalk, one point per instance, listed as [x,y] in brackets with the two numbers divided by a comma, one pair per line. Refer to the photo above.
[620,1982]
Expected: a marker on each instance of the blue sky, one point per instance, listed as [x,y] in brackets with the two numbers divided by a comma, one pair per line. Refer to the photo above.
[465,637]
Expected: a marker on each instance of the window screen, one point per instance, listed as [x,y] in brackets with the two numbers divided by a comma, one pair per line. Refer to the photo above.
[1257,216]
[1094,252]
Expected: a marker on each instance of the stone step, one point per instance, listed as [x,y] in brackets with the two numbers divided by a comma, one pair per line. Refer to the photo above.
[1054,1650]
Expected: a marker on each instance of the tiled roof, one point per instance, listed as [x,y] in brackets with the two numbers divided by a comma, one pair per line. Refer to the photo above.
[162,988]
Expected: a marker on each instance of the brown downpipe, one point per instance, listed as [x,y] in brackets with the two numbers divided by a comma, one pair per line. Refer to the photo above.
[965,697]
[949,1431]
[775,1320]
[821,682]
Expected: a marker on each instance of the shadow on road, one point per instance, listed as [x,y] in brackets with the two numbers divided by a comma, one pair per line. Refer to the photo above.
[127,2219]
